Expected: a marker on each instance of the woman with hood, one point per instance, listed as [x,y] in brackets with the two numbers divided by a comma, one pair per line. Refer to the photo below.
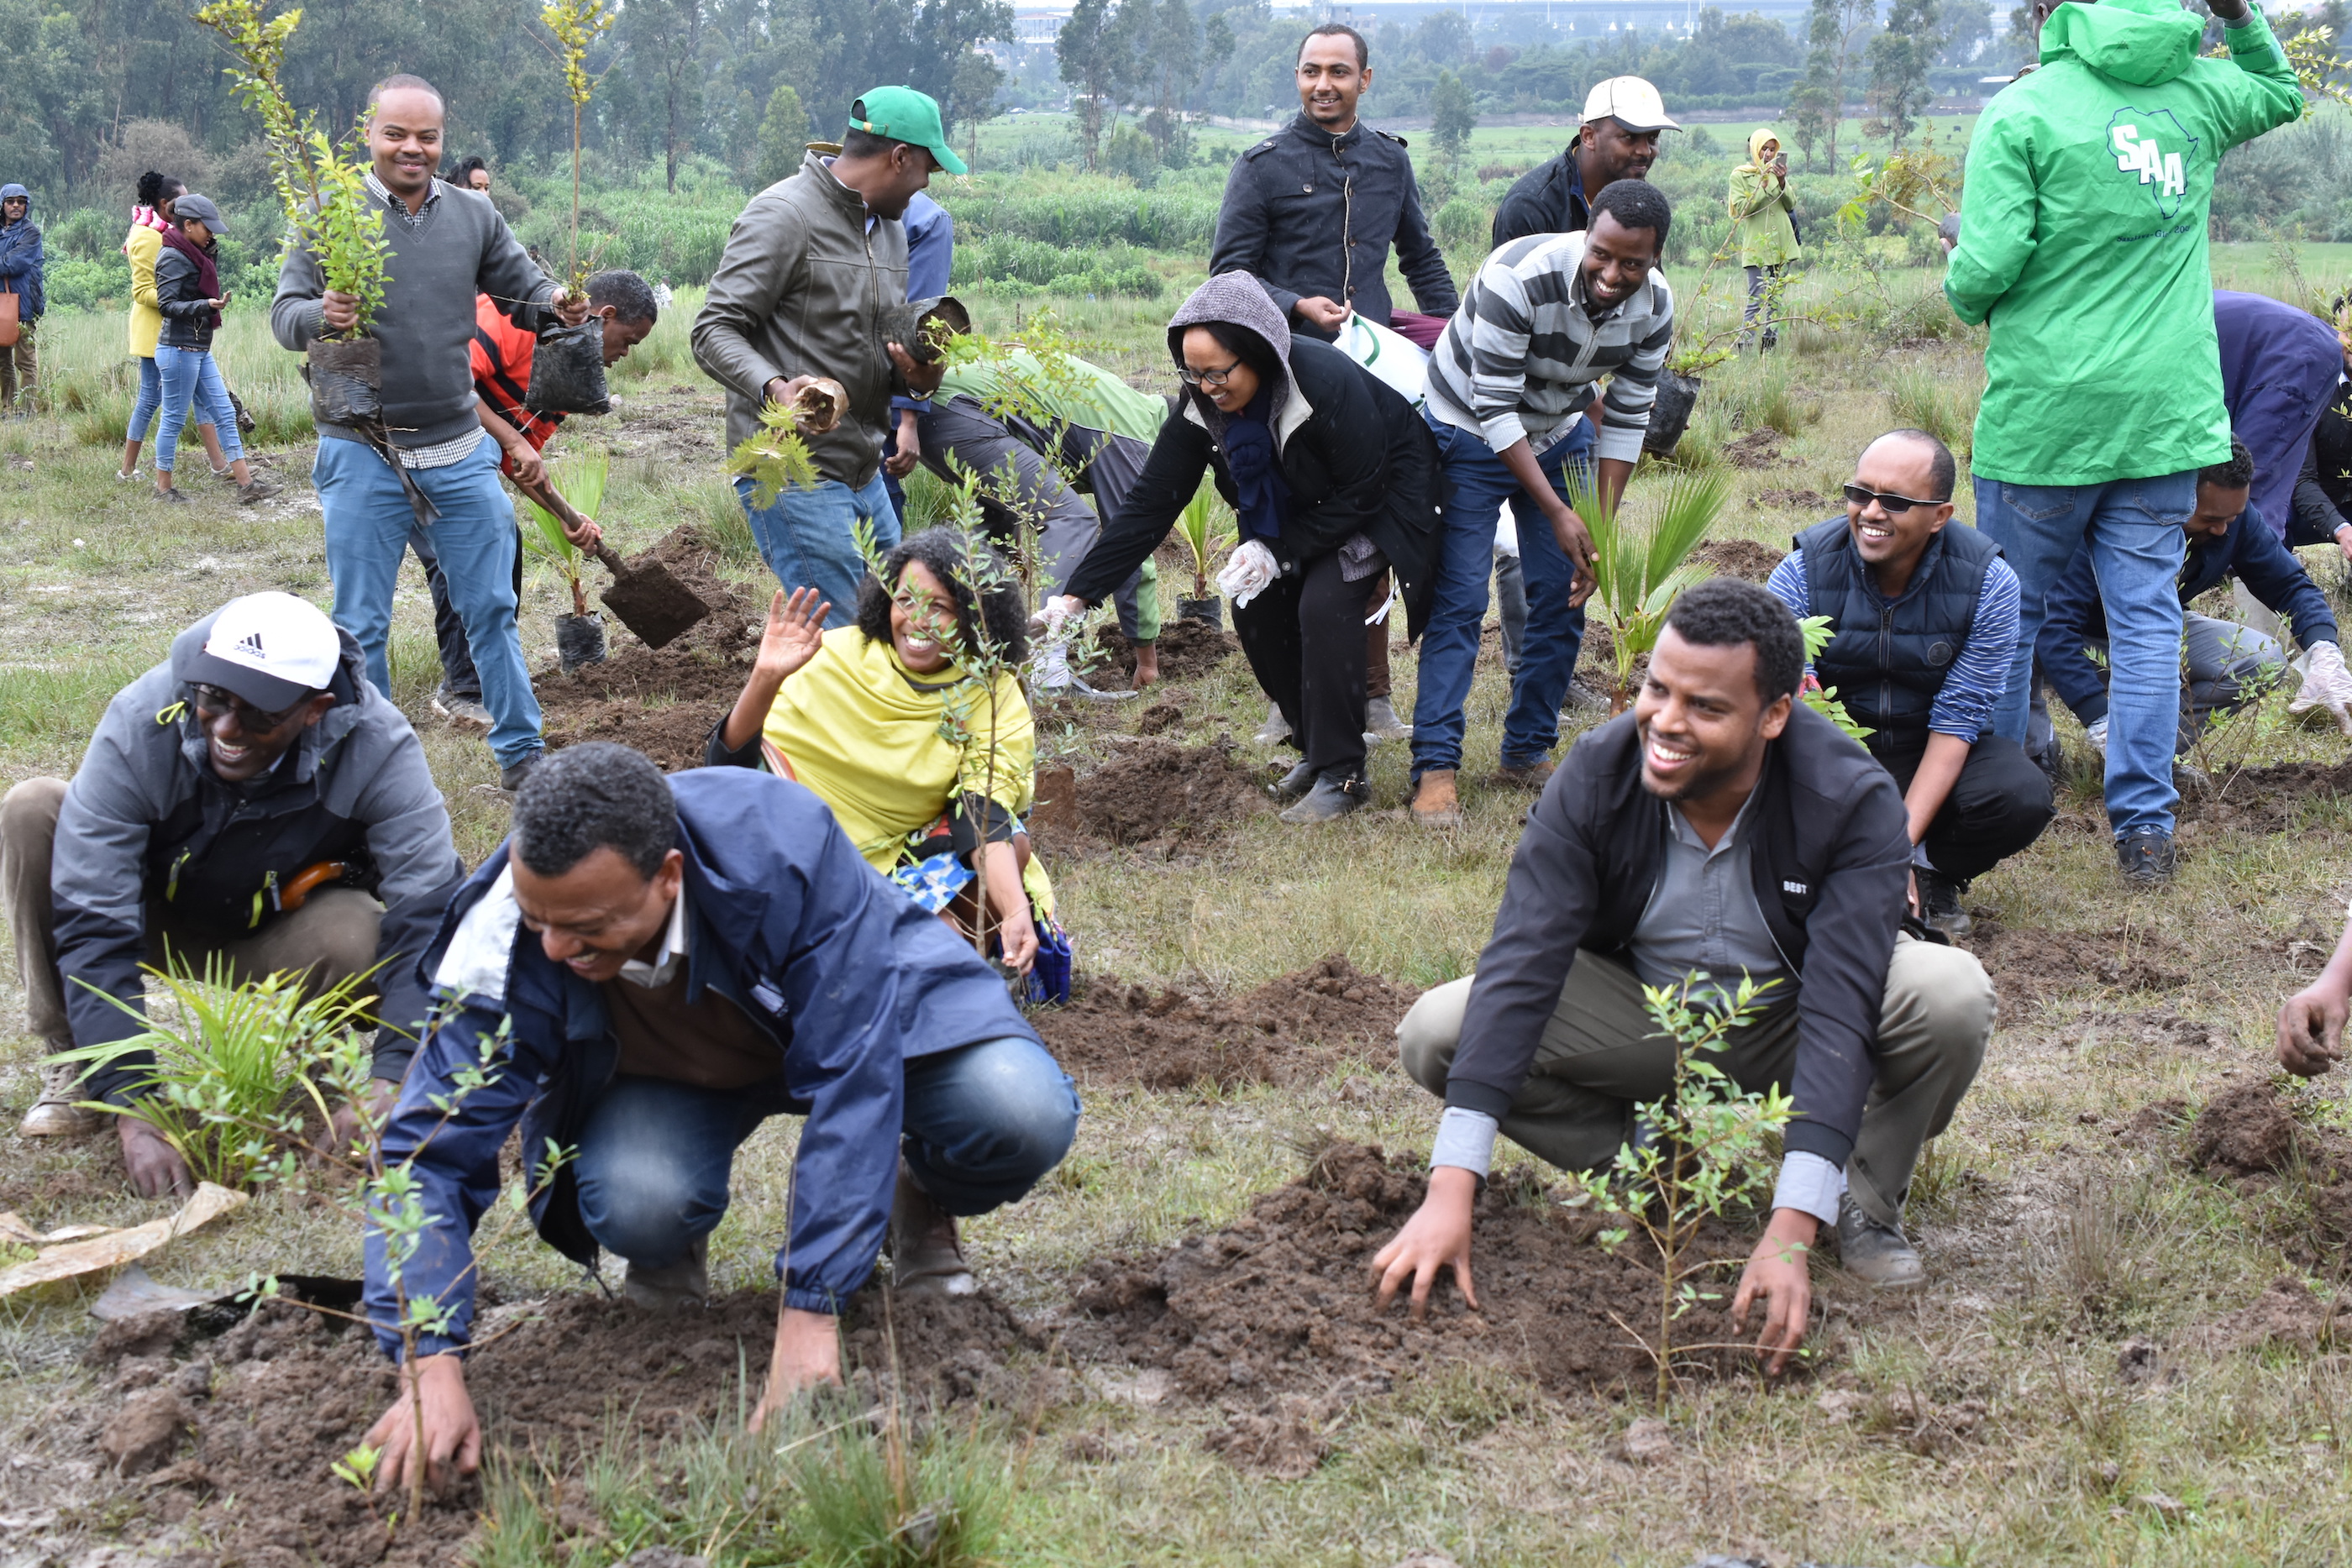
[188,292]
[1760,205]
[20,274]
[1332,475]
[150,216]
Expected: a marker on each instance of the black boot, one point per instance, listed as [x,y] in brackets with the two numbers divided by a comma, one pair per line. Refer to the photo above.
[1333,797]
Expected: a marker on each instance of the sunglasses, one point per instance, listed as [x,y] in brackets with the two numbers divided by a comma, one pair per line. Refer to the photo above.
[213,700]
[1859,496]
[1207,378]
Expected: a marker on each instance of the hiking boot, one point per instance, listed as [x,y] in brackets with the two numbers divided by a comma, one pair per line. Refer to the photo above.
[1275,729]
[1875,1254]
[463,709]
[2146,855]
[1583,702]
[1434,803]
[1332,798]
[170,497]
[57,1113]
[926,1259]
[1526,775]
[256,489]
[685,1283]
[512,776]
[1939,903]
[1381,721]
[1294,784]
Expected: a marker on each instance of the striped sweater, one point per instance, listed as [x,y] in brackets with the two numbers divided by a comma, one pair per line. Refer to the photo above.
[1519,359]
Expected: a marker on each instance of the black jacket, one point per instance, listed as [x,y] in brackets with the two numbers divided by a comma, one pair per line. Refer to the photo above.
[1887,658]
[2323,491]
[1832,860]
[187,310]
[1549,199]
[1307,213]
[1361,460]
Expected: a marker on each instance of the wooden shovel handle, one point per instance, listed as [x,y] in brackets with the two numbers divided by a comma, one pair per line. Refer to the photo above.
[609,561]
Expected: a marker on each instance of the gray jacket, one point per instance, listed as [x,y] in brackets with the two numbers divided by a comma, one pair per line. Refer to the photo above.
[1308,212]
[800,291]
[146,820]
[456,247]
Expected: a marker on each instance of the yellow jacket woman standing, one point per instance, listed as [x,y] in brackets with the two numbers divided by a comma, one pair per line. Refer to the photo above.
[142,244]
[1761,205]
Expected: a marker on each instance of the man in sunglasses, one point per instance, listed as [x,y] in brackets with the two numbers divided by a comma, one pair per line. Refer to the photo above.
[253,800]
[1923,618]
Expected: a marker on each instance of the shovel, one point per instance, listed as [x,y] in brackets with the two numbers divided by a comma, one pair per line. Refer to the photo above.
[649,599]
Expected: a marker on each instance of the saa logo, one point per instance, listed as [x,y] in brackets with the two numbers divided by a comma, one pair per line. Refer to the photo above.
[2139,141]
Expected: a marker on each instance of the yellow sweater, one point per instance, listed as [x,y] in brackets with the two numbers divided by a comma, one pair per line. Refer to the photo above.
[142,247]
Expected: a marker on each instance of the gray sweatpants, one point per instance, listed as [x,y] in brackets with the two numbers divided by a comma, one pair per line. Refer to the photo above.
[1601,1057]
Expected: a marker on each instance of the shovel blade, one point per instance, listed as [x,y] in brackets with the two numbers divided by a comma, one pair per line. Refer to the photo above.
[652,603]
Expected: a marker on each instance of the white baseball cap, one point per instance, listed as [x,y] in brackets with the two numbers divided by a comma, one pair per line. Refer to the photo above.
[1629,101]
[271,649]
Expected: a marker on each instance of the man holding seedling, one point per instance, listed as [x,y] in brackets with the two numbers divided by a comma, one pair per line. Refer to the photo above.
[447,245]
[648,971]
[809,268]
[1923,623]
[252,801]
[1721,829]
[1623,117]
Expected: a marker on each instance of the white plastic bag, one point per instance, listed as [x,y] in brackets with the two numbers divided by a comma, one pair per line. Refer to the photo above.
[1392,356]
[1248,571]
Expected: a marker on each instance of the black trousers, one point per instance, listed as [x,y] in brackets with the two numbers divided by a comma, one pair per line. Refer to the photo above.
[1305,639]
[1998,806]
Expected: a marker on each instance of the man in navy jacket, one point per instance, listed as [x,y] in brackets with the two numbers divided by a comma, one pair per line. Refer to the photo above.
[648,971]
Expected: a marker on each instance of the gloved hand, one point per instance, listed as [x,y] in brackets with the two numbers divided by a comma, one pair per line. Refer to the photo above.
[2326,685]
[2096,733]
[1249,572]
[1060,609]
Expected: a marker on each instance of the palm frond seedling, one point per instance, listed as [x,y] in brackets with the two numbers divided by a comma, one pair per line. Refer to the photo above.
[1640,570]
[1206,524]
[238,1068]
[579,480]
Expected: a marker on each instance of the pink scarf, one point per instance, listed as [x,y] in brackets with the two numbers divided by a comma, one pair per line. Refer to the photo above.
[144,218]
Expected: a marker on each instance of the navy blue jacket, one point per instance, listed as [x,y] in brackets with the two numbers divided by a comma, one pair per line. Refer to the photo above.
[2278,367]
[848,975]
[21,261]
[1549,199]
[2248,551]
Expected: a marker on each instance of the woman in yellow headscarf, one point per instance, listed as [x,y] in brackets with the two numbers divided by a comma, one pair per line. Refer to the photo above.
[928,765]
[1760,205]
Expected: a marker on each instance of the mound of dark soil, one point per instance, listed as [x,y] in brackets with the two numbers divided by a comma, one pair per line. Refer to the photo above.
[2254,1134]
[1188,650]
[1278,1305]
[1801,500]
[1287,1030]
[1742,559]
[2031,964]
[1759,448]
[2264,799]
[1157,791]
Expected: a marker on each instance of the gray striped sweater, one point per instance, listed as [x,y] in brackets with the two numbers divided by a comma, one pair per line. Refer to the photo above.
[1519,359]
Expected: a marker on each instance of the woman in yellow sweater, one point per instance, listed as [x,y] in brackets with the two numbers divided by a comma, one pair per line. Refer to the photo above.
[929,767]
[149,219]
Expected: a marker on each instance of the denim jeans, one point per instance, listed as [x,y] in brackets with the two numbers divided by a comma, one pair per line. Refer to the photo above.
[809,537]
[367,524]
[1475,485]
[983,1124]
[2221,665]
[187,377]
[2133,530]
[150,398]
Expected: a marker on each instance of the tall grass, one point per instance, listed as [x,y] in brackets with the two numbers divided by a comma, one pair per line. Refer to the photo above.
[60,703]
[90,380]
[1933,400]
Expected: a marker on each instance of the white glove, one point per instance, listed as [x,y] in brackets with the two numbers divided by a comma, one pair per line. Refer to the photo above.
[1060,609]
[1249,571]
[2325,683]
[2096,733]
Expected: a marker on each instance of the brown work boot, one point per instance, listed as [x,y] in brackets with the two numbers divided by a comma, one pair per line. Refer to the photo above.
[1526,775]
[1434,804]
[926,1259]
[58,1113]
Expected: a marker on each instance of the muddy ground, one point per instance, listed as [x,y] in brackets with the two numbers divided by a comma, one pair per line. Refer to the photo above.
[1153,793]
[1188,650]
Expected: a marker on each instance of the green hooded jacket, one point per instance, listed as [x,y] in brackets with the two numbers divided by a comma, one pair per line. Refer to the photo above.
[1761,205]
[2083,242]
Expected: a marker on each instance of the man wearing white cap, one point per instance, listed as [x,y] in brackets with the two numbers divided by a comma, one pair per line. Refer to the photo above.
[1622,119]
[251,798]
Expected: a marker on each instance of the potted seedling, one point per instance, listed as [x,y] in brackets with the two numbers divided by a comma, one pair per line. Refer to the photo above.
[1205,534]
[579,480]
[1639,571]
[567,366]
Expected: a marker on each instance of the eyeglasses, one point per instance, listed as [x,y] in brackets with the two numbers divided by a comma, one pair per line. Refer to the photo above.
[249,718]
[1207,378]
[1858,496]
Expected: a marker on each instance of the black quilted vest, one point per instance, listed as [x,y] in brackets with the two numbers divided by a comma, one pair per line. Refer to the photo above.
[1889,658]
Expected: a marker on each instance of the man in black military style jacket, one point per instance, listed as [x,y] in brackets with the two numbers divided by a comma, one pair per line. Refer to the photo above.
[1617,139]
[1312,210]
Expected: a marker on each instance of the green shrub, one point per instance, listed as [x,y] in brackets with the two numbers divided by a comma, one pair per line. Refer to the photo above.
[75,285]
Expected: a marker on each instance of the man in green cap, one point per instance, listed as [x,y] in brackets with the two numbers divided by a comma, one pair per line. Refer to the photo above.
[2083,241]
[809,267]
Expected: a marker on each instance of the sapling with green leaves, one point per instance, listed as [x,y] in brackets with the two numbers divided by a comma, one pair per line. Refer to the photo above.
[576,25]
[1640,570]
[1817,630]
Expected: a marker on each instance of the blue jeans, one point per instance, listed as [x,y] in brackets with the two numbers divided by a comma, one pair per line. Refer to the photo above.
[809,540]
[2133,530]
[368,523]
[983,1124]
[1475,485]
[186,376]
[150,398]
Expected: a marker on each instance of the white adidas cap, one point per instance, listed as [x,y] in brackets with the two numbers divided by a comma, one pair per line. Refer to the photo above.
[271,649]
[1631,102]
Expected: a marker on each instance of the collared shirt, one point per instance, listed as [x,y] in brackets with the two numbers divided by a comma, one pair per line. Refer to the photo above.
[441,454]
[399,208]
[1701,916]
[674,943]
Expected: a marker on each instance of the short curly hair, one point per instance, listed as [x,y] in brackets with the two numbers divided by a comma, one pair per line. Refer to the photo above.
[591,796]
[1003,616]
[2236,473]
[1724,611]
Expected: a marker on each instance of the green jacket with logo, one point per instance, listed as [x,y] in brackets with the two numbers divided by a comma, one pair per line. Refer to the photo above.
[2083,242]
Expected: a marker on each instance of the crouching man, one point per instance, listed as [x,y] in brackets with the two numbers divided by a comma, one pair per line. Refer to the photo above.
[248,801]
[1718,828]
[676,961]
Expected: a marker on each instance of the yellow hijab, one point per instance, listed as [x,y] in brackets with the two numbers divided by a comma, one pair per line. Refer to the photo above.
[1758,139]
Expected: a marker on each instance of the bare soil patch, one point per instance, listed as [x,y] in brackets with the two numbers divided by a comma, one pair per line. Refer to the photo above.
[1808,500]
[1188,650]
[2254,1134]
[1155,792]
[1759,448]
[2031,964]
[1289,1031]
[2265,799]
[1743,559]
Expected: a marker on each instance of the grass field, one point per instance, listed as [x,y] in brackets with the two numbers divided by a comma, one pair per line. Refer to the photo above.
[2053,1246]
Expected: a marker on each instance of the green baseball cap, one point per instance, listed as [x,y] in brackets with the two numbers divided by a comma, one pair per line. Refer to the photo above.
[902,114]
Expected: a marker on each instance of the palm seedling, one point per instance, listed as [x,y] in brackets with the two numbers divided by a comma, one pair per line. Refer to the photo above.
[1640,570]
[579,480]
[1205,525]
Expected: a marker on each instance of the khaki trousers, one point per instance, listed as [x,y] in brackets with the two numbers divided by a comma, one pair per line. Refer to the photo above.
[18,367]
[333,935]
[1601,1056]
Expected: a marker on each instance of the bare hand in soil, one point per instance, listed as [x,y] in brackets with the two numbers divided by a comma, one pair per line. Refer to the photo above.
[1777,1272]
[1016,933]
[1317,311]
[1437,1237]
[452,1430]
[922,380]
[2311,1031]
[353,1123]
[155,1167]
[343,310]
[570,307]
[794,633]
[808,1352]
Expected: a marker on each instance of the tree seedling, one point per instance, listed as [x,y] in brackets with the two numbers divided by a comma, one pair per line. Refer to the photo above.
[1639,571]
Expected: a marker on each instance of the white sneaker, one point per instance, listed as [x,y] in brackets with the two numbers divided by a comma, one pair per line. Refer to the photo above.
[130,478]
